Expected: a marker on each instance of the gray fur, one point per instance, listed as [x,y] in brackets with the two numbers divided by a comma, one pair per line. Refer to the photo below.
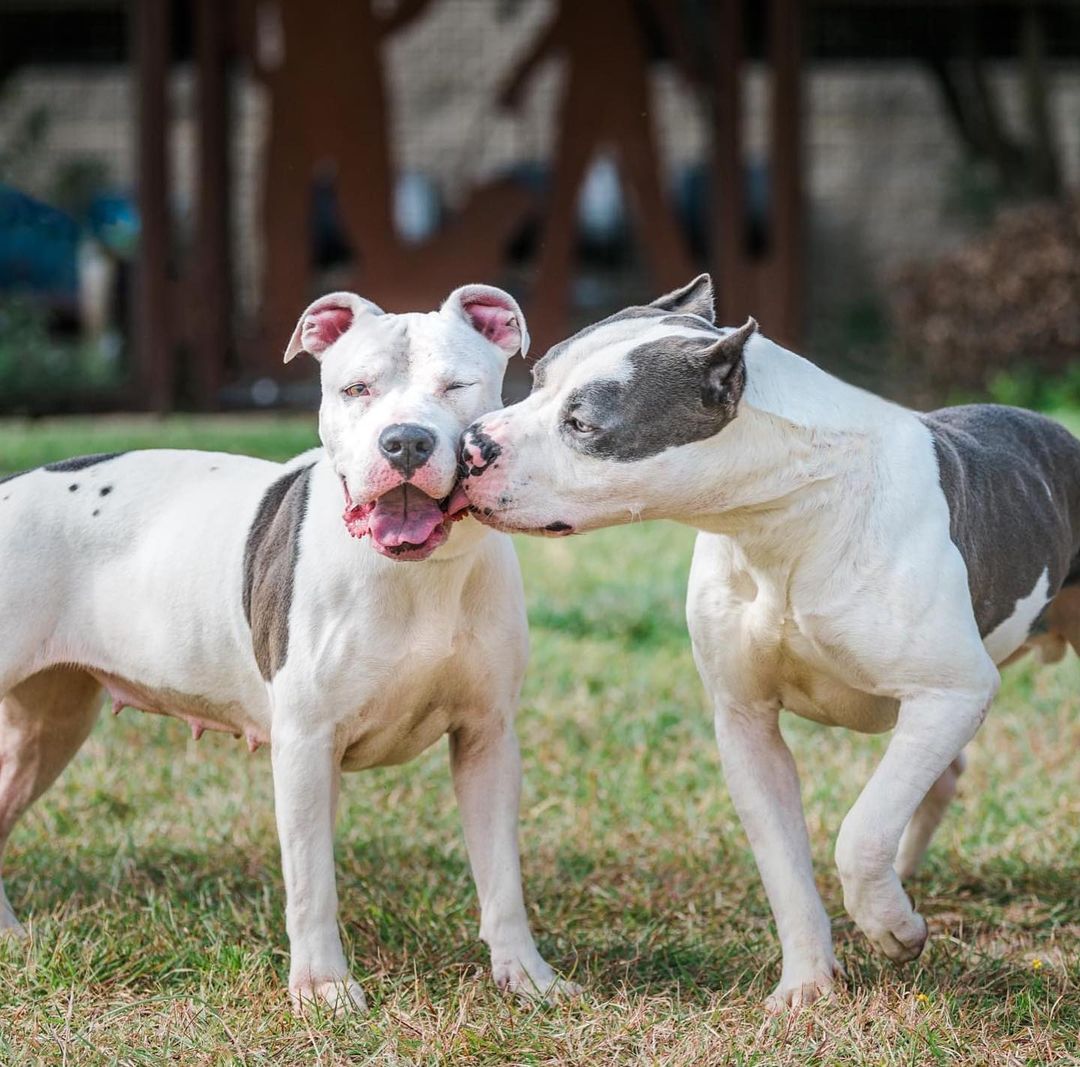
[680,390]
[9,477]
[273,546]
[79,463]
[694,298]
[995,465]
[691,307]
[563,347]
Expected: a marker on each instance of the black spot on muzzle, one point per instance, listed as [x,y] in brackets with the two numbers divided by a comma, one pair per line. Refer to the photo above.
[475,440]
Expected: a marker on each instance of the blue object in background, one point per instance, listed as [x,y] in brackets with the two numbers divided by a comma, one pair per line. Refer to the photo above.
[114,220]
[38,247]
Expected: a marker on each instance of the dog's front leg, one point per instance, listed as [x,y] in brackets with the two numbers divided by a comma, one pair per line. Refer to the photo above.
[306,774]
[764,786]
[932,728]
[486,766]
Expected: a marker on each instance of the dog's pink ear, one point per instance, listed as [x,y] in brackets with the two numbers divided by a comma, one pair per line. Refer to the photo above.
[493,314]
[325,321]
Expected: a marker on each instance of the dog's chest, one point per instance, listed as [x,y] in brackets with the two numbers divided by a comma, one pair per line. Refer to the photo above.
[413,702]
[819,683]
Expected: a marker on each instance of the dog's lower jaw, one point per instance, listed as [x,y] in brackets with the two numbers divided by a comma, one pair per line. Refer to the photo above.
[337,996]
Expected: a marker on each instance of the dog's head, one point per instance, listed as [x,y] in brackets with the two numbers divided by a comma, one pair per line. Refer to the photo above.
[600,440]
[397,392]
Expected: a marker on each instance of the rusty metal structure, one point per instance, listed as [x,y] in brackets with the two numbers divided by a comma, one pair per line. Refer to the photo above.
[329,89]
[323,64]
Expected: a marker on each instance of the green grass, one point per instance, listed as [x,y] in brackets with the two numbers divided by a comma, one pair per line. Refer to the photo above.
[149,873]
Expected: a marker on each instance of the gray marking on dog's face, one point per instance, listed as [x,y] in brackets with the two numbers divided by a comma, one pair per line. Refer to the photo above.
[691,307]
[80,463]
[680,390]
[556,352]
[1010,479]
[273,545]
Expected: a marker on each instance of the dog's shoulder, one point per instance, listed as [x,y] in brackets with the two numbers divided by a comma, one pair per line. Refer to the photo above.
[1011,479]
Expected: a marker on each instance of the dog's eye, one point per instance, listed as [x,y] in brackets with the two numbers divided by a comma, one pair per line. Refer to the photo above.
[578,426]
[354,390]
[453,386]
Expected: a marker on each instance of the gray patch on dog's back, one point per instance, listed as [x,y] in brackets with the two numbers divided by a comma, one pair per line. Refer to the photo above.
[80,463]
[273,545]
[9,477]
[1012,482]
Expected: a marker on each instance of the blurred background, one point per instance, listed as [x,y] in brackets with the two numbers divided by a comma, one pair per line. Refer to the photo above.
[889,187]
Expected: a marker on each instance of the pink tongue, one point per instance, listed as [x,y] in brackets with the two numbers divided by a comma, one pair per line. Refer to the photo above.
[404,515]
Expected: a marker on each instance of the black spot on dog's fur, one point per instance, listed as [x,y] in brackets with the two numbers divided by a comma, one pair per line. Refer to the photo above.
[105,490]
[80,463]
[488,449]
[73,487]
[96,512]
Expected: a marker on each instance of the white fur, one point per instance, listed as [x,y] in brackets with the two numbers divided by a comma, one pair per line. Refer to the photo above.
[824,582]
[384,658]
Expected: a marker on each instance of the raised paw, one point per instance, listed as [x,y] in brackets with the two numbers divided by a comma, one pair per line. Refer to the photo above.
[801,990]
[886,915]
[901,940]
[535,981]
[338,996]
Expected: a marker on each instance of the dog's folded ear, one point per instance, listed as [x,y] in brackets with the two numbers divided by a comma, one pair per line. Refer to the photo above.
[725,368]
[494,315]
[694,298]
[325,321]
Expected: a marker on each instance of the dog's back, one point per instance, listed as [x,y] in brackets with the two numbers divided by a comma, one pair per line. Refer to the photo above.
[1012,481]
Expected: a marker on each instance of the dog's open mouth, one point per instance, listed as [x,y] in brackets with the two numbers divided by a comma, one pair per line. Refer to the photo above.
[405,523]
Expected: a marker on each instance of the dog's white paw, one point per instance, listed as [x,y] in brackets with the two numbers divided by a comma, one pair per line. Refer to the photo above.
[902,939]
[533,981]
[338,996]
[805,988]
[10,927]
[886,915]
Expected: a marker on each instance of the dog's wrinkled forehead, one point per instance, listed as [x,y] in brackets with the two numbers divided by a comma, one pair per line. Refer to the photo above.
[412,347]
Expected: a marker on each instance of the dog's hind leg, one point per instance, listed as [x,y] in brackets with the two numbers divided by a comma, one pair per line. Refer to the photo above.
[43,722]
[927,817]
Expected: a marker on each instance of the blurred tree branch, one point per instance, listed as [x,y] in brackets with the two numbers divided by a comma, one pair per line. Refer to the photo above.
[1026,166]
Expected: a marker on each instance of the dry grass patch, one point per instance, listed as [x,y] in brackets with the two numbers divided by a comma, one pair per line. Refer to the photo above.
[149,876]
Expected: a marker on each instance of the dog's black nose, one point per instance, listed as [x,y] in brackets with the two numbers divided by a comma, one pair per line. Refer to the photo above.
[406,446]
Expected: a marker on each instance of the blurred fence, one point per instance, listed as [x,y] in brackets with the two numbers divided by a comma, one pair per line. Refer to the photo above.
[819,158]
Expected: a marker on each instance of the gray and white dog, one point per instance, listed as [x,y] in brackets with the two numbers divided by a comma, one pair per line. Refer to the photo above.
[230,593]
[858,564]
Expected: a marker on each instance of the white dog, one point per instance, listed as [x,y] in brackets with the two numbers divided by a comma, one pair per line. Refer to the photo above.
[858,564]
[228,592]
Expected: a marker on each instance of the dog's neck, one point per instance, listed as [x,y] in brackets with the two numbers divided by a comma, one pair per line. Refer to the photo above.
[800,438]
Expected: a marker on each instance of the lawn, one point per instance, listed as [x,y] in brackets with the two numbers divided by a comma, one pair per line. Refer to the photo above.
[149,873]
